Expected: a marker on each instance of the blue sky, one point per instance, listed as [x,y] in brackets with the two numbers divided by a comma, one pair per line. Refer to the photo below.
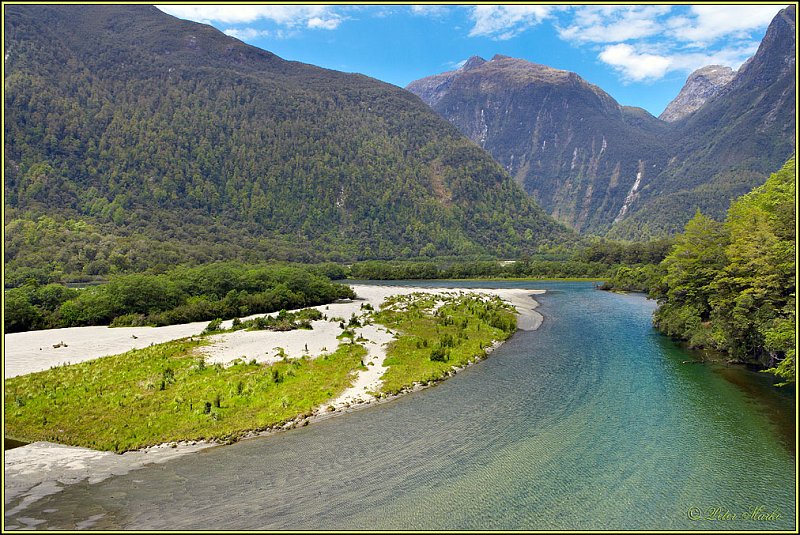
[640,54]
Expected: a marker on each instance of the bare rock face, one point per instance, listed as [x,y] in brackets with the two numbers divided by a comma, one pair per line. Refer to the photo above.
[701,86]
[604,168]
[578,152]
[432,88]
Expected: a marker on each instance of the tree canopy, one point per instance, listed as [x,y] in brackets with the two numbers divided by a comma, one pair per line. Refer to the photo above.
[731,285]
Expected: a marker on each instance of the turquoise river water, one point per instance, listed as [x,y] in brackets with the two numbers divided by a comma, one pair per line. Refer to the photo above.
[594,421]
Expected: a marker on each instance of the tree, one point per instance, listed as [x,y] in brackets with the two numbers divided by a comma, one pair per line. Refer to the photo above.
[732,286]
[694,262]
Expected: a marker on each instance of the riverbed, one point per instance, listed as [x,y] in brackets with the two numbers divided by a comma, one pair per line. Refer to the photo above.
[593,421]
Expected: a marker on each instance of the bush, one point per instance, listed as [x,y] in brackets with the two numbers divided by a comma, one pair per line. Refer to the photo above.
[213,326]
[439,355]
[179,296]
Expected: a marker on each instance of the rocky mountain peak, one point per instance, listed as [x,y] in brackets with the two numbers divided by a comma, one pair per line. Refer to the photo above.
[596,165]
[472,63]
[703,84]
[775,56]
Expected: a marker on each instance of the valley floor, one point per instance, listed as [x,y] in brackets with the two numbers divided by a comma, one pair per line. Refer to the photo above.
[42,468]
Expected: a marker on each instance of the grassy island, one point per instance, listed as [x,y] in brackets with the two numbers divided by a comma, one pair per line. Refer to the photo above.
[438,334]
[171,392]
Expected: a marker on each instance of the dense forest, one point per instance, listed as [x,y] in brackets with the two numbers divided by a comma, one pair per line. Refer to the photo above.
[223,290]
[731,286]
[135,139]
[36,300]
[597,258]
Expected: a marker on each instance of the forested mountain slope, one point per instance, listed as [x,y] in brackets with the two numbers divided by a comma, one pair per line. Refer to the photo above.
[134,138]
[572,146]
[610,169]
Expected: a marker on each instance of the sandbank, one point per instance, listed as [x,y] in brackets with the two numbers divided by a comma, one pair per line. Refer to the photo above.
[41,468]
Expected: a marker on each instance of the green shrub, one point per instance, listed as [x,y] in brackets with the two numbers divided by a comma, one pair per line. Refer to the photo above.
[213,326]
[439,355]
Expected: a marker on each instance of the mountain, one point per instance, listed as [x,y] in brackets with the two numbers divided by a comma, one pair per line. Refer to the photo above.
[433,88]
[135,139]
[573,147]
[702,85]
[729,145]
[609,169]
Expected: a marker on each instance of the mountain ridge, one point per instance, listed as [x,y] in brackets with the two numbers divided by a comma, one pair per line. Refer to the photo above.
[729,145]
[702,85]
[616,170]
[156,128]
[540,122]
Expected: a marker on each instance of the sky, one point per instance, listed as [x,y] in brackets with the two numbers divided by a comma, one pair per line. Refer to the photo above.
[641,54]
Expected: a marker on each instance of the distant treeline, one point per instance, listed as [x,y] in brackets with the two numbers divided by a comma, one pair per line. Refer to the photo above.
[597,259]
[38,300]
[390,270]
[182,295]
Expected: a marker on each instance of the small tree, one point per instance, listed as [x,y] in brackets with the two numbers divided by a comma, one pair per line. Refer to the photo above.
[439,355]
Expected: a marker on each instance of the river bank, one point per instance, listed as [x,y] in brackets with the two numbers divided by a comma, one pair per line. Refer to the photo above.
[591,422]
[42,468]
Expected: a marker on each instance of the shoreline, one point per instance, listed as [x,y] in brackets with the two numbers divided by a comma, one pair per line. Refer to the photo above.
[482,279]
[320,415]
[39,469]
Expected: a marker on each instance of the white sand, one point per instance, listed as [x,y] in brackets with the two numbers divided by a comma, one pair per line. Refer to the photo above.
[369,380]
[262,345]
[42,468]
[33,351]
[39,469]
[527,319]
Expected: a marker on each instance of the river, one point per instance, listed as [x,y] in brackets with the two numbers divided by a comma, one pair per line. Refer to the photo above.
[594,421]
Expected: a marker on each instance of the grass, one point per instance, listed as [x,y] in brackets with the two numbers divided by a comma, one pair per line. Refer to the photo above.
[167,393]
[432,343]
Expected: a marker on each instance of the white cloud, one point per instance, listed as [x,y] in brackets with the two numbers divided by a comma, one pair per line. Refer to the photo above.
[428,10]
[330,23]
[644,43]
[246,34]
[612,24]
[505,22]
[700,24]
[634,65]
[253,34]
[712,22]
[311,16]
[455,65]
[731,56]
[639,65]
